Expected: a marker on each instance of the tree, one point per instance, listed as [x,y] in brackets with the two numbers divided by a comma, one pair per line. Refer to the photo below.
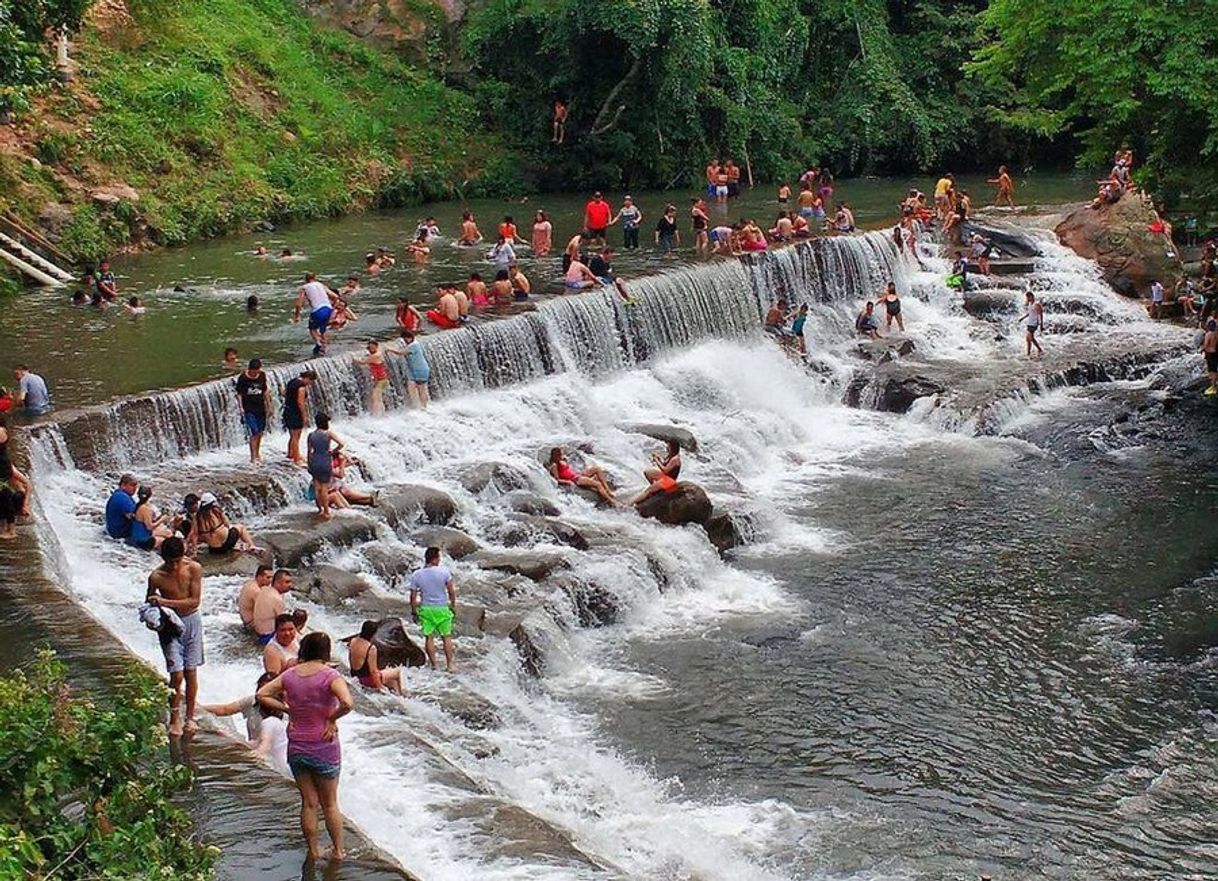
[1113,74]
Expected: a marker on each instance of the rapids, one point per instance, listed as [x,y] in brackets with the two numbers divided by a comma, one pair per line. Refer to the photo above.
[857,692]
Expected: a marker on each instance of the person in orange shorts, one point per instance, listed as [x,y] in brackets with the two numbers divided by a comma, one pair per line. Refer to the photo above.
[662,476]
[447,313]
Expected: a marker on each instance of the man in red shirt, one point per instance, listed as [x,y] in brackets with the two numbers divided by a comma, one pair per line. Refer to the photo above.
[596,219]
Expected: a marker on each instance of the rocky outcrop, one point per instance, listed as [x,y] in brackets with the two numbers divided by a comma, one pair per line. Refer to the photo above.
[533,564]
[531,503]
[503,477]
[330,585]
[890,390]
[525,529]
[297,537]
[405,505]
[724,532]
[665,433]
[1117,237]
[452,542]
[685,503]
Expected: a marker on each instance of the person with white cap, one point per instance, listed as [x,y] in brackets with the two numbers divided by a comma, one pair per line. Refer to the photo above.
[213,529]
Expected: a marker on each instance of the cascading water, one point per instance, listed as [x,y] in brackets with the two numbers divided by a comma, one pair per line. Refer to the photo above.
[498,774]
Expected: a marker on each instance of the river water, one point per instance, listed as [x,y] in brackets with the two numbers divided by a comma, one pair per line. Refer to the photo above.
[970,639]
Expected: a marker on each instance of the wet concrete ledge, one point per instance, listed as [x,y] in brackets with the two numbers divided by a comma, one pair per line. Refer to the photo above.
[239,805]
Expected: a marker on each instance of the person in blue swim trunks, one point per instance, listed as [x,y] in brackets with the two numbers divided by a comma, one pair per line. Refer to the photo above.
[322,301]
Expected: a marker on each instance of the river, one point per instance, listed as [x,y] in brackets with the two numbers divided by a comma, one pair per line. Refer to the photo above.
[969,639]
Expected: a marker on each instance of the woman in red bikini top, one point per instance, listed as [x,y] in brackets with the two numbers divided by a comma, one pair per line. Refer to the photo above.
[592,477]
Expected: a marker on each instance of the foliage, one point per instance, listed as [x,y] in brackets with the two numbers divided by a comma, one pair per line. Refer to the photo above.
[230,111]
[85,791]
[24,25]
[860,86]
[1107,75]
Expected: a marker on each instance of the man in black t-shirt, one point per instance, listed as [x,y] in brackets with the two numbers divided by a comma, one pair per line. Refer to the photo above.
[252,392]
[602,265]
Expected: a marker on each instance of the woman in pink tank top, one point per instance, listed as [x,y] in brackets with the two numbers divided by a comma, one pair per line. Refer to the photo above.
[315,697]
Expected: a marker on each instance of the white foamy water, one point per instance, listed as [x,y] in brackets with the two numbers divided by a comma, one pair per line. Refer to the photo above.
[452,801]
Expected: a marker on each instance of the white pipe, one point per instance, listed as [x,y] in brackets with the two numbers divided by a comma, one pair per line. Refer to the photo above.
[37,274]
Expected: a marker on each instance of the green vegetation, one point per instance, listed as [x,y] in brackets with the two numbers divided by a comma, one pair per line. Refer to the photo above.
[229,111]
[656,87]
[1103,75]
[85,792]
[223,112]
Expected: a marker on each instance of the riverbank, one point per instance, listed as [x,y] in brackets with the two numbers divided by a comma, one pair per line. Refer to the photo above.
[188,120]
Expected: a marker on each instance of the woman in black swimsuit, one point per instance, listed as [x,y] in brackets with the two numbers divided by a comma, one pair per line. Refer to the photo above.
[214,530]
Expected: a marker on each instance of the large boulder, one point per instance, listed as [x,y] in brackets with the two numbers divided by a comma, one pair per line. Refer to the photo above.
[531,503]
[394,648]
[724,532]
[299,536]
[330,585]
[1010,241]
[500,475]
[1118,239]
[406,505]
[523,529]
[452,542]
[685,503]
[889,391]
[534,564]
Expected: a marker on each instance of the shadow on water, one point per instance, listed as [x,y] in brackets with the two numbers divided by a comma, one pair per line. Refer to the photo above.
[238,804]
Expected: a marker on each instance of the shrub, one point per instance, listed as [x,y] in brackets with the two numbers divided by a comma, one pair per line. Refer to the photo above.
[86,791]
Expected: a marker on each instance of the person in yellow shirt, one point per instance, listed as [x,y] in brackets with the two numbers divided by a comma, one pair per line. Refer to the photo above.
[944,195]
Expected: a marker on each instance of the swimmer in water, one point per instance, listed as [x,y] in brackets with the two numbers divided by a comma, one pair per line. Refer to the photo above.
[470,235]
[135,306]
[230,359]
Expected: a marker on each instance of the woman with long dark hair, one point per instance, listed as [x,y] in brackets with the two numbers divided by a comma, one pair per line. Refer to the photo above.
[315,696]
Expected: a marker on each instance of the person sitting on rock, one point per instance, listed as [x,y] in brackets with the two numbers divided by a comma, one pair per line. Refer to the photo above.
[662,476]
[220,536]
[592,477]
[867,324]
[364,663]
[341,495]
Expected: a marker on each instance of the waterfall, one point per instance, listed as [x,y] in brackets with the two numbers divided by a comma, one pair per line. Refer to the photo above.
[594,333]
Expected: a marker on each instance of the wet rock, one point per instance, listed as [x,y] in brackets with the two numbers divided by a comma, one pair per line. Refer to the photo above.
[469,620]
[533,564]
[983,304]
[503,477]
[530,656]
[234,563]
[330,585]
[666,433]
[452,542]
[685,503]
[723,531]
[473,710]
[390,561]
[298,537]
[523,529]
[1011,242]
[885,349]
[531,503]
[889,392]
[394,647]
[406,505]
[595,604]
[1118,239]
[897,394]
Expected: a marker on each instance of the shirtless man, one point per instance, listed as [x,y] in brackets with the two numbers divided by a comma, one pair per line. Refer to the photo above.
[269,604]
[1209,348]
[470,235]
[1006,187]
[571,252]
[248,593]
[447,313]
[712,178]
[177,584]
[462,304]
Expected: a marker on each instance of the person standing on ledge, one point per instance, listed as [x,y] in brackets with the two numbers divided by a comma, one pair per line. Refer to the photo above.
[375,362]
[321,302]
[321,464]
[631,217]
[418,371]
[177,584]
[296,411]
[253,395]
[315,696]
[433,603]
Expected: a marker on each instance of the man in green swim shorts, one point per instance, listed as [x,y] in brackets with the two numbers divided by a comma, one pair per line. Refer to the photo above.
[433,602]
